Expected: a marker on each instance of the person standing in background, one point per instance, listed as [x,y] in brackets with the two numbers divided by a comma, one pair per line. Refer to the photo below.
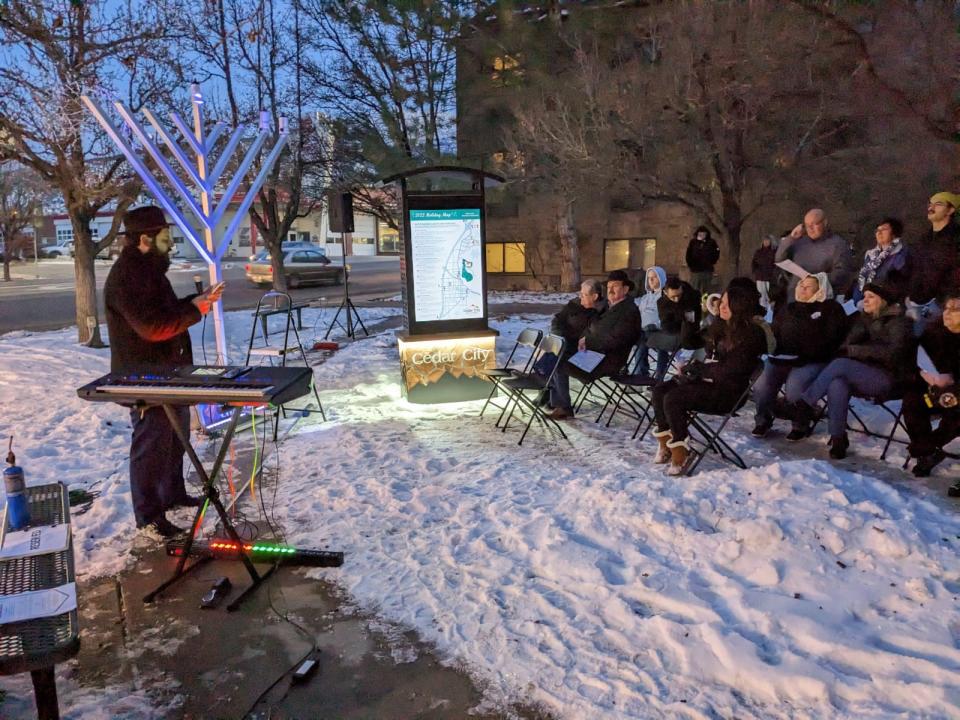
[764,268]
[702,255]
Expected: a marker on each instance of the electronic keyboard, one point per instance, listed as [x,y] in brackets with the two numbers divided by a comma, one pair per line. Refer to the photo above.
[201,384]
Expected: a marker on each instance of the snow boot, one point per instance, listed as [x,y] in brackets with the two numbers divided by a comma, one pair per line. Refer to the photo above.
[679,457]
[663,452]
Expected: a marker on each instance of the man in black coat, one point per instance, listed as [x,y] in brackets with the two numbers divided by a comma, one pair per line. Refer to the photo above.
[613,333]
[680,310]
[702,255]
[148,328]
[935,260]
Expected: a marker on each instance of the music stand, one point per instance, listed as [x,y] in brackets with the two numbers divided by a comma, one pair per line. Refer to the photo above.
[346,304]
[213,498]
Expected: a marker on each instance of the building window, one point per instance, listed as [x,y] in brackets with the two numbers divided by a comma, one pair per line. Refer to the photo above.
[388,239]
[243,239]
[64,234]
[629,253]
[506,257]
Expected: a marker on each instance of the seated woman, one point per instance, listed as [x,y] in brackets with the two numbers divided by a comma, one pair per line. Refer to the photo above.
[654,280]
[735,345]
[875,360]
[936,394]
[808,334]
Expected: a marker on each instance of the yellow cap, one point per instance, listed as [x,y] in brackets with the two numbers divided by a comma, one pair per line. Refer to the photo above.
[947,197]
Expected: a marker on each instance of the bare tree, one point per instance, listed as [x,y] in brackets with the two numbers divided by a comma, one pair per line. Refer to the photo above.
[51,52]
[22,198]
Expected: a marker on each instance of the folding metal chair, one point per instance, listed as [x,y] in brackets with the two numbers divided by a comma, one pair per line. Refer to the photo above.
[530,382]
[528,338]
[887,437]
[709,438]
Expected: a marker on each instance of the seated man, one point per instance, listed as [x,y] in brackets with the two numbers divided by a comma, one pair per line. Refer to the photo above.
[571,322]
[612,333]
[654,280]
[736,344]
[679,309]
[930,395]
[874,361]
[808,333]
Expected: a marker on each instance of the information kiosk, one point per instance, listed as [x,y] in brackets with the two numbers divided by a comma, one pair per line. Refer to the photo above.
[446,343]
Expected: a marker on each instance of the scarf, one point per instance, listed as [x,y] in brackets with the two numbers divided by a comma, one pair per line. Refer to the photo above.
[873,259]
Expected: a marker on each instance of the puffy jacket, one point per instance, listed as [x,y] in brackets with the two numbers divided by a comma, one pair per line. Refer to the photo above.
[614,333]
[885,342]
[648,301]
[812,331]
[702,255]
[673,317]
[146,320]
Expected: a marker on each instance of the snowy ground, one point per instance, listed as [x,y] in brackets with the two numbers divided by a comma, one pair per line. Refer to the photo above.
[574,576]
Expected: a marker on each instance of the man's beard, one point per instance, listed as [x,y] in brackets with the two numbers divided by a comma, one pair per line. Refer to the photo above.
[160,260]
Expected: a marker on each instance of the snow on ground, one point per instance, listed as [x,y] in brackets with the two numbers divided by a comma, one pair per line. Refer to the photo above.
[574,576]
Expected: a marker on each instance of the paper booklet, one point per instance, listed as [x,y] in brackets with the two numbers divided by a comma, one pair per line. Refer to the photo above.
[35,541]
[925,363]
[38,604]
[586,360]
[850,307]
[791,267]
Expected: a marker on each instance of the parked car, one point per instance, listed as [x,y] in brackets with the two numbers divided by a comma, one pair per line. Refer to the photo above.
[293,245]
[112,250]
[63,249]
[301,267]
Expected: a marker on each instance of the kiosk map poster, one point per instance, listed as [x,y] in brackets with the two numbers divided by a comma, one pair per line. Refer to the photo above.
[447,264]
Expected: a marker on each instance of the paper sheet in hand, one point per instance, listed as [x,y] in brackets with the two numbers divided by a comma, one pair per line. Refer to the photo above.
[925,363]
[849,307]
[586,360]
[791,267]
[35,541]
[38,604]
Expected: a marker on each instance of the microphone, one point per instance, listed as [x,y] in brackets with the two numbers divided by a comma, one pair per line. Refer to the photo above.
[198,284]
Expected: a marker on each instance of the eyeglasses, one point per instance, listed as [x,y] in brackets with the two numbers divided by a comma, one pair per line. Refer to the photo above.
[882,228]
[952,307]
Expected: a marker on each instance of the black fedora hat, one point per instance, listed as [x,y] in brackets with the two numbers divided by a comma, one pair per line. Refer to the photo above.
[144,221]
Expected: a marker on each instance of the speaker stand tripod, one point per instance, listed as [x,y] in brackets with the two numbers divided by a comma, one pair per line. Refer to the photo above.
[346,305]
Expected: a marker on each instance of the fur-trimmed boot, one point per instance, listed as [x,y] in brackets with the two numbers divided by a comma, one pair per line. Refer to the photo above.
[663,452]
[679,454]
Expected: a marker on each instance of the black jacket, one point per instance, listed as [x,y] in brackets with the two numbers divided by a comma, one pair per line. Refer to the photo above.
[571,323]
[737,356]
[934,263]
[811,331]
[673,317]
[614,333]
[146,321]
[885,342]
[764,264]
[702,255]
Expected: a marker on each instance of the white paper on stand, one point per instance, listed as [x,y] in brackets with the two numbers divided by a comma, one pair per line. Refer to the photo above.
[586,360]
[791,267]
[35,541]
[38,604]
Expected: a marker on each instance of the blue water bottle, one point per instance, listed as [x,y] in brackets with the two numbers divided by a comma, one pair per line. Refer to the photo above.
[18,513]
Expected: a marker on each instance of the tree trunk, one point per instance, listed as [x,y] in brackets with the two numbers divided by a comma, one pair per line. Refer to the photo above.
[733,222]
[85,252]
[276,262]
[569,250]
[6,265]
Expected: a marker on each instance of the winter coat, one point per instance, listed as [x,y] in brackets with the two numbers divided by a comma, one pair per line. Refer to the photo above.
[829,254]
[943,347]
[737,356]
[614,333]
[885,342]
[146,321]
[893,272]
[936,263]
[813,331]
[673,318]
[648,301]
[764,264]
[702,255]
[571,323]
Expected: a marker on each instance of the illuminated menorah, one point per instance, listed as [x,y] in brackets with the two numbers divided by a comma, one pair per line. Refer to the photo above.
[201,203]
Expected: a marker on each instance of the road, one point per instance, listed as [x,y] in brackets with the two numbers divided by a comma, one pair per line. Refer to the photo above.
[47,302]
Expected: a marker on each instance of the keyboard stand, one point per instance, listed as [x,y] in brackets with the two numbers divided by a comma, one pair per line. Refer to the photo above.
[213,498]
